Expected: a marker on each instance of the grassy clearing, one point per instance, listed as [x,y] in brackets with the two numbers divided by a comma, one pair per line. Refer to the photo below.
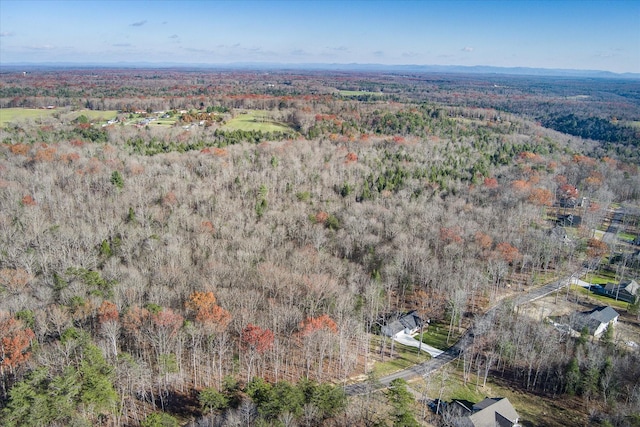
[600,278]
[617,305]
[358,93]
[436,336]
[627,236]
[255,121]
[403,357]
[16,115]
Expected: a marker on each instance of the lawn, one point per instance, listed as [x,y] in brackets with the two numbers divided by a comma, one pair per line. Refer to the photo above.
[12,115]
[15,115]
[403,357]
[436,336]
[255,121]
[358,93]
[600,278]
[618,305]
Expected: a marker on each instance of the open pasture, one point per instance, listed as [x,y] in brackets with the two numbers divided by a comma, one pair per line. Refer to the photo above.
[255,121]
[17,115]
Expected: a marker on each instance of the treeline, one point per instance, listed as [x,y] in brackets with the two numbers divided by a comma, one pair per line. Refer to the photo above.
[592,128]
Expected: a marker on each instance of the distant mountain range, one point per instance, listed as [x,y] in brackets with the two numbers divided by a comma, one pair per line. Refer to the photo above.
[272,66]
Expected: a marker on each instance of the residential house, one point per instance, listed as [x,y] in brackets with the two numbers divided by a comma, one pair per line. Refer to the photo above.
[627,290]
[491,412]
[410,323]
[596,321]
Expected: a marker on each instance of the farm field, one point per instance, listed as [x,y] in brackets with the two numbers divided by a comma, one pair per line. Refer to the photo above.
[16,115]
[255,121]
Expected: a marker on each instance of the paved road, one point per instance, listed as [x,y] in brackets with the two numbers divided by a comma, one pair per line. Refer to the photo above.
[465,340]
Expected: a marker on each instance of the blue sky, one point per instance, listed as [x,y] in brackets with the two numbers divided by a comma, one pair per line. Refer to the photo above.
[587,34]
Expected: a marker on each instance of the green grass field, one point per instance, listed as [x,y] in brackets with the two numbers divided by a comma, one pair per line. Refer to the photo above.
[16,115]
[618,305]
[404,357]
[358,93]
[436,336]
[255,121]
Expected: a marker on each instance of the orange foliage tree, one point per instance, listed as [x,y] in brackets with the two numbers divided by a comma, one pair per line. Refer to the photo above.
[541,197]
[596,248]
[107,312]
[508,252]
[15,340]
[206,311]
[450,234]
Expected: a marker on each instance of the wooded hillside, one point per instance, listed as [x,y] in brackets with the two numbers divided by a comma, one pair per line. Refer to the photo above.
[141,265]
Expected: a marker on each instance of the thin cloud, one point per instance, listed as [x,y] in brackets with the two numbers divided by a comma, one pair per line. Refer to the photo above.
[139,23]
[7,34]
[41,47]
[467,49]
[378,53]
[121,45]
[173,36]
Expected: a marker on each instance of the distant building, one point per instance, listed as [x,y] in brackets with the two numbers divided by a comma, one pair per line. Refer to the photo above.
[627,290]
[569,220]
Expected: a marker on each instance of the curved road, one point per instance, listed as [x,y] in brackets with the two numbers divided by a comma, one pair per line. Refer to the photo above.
[465,341]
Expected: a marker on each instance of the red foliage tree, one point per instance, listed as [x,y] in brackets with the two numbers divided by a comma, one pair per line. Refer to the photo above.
[15,340]
[351,158]
[568,191]
[491,183]
[28,201]
[313,324]
[450,234]
[255,338]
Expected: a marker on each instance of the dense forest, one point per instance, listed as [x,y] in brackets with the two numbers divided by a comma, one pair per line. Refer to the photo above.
[200,274]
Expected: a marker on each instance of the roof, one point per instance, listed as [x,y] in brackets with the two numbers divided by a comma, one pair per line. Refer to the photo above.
[595,318]
[409,321]
[603,314]
[631,286]
[494,412]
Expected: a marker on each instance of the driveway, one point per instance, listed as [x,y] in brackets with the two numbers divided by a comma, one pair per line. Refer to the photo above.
[405,339]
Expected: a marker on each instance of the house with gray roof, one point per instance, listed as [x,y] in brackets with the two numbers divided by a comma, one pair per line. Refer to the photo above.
[596,321]
[410,323]
[626,290]
[491,412]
